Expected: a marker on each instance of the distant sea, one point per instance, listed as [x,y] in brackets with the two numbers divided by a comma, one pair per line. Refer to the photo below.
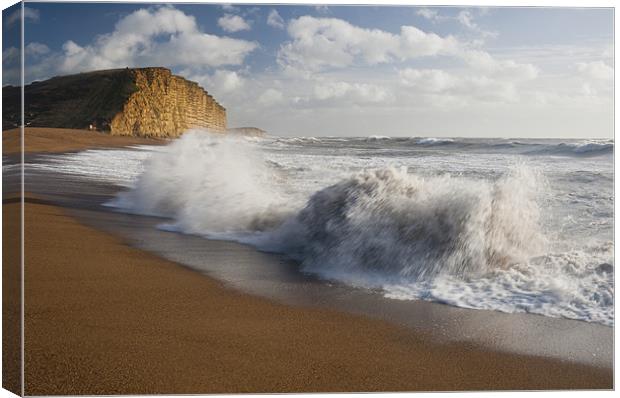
[513,225]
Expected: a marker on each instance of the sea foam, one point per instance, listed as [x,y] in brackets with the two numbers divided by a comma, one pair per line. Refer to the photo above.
[469,242]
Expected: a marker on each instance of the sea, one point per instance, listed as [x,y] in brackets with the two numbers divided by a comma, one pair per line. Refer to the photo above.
[507,225]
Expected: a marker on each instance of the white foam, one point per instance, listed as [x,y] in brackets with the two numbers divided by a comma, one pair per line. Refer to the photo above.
[434,141]
[481,230]
[207,184]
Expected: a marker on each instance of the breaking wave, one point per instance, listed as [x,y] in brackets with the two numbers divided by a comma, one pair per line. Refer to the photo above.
[468,242]
[401,225]
[434,141]
[208,185]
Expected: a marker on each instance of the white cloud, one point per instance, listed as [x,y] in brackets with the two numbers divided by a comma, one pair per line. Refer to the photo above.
[228,81]
[331,42]
[427,13]
[275,20]
[271,97]
[322,9]
[36,49]
[464,18]
[233,23]
[596,70]
[509,69]
[464,86]
[29,13]
[222,84]
[162,36]
[320,43]
[467,19]
[428,80]
[10,55]
[230,8]
[352,92]
[137,41]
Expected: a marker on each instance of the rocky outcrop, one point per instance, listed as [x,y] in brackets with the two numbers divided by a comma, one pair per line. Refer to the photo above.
[247,131]
[144,102]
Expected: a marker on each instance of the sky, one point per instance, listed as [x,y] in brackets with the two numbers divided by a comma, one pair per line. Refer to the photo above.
[349,70]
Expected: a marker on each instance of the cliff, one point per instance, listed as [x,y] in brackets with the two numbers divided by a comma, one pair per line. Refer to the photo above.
[145,102]
[247,131]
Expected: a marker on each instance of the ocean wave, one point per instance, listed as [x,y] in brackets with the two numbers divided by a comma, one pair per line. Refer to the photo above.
[405,226]
[377,138]
[576,284]
[429,141]
[474,243]
[585,148]
[208,185]
[299,140]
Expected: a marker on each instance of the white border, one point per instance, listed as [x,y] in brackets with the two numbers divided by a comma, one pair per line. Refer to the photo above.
[457,3]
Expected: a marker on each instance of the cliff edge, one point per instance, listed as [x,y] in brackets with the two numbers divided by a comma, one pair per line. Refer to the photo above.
[141,102]
[247,131]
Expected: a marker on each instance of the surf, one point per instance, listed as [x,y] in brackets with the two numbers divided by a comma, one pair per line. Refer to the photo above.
[469,240]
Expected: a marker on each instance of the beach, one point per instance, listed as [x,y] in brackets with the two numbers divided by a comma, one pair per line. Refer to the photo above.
[46,140]
[104,317]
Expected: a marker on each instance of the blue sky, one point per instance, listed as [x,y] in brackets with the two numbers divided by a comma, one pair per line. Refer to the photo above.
[351,70]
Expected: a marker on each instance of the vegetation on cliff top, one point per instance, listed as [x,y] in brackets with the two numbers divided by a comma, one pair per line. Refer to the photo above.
[74,101]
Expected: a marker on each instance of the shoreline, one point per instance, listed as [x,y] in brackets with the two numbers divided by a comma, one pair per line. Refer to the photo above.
[56,140]
[173,330]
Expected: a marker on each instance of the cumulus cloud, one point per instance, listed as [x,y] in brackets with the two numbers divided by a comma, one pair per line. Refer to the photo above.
[464,86]
[275,20]
[233,23]
[352,92]
[484,62]
[36,49]
[330,42]
[228,81]
[596,70]
[161,36]
[428,80]
[223,84]
[271,97]
[320,43]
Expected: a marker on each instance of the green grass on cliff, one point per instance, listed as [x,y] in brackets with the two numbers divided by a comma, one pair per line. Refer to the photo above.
[73,101]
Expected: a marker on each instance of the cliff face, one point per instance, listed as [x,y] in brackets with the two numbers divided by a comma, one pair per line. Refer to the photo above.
[165,105]
[146,102]
[247,131]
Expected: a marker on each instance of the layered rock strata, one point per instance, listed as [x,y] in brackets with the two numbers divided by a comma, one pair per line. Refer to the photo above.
[143,102]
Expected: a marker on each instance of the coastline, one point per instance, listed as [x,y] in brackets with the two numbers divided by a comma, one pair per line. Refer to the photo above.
[174,330]
[54,140]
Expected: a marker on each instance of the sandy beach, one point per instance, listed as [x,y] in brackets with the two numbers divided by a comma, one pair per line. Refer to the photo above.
[43,139]
[292,199]
[105,318]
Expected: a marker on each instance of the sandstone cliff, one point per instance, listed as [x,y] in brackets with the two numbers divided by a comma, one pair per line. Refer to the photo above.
[247,131]
[146,102]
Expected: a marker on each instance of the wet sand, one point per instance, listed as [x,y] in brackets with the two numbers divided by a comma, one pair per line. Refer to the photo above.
[44,139]
[105,318]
